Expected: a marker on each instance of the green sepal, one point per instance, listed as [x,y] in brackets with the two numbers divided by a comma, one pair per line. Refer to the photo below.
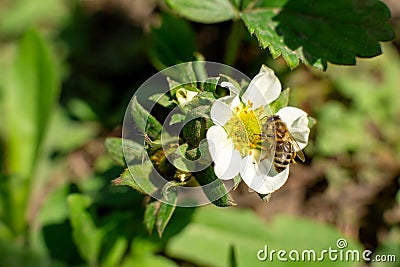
[137,177]
[181,75]
[189,159]
[167,208]
[180,161]
[122,151]
[210,85]
[177,118]
[207,176]
[311,122]
[163,100]
[150,215]
[145,122]
[199,67]
[159,213]
[265,197]
[193,131]
[281,102]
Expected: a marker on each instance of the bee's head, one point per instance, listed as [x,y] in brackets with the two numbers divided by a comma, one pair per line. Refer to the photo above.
[273,118]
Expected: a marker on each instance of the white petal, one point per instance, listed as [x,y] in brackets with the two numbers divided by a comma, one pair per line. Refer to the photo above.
[235,102]
[227,165]
[263,89]
[262,183]
[297,122]
[226,159]
[216,137]
[248,171]
[221,111]
[265,165]
[233,90]
[291,114]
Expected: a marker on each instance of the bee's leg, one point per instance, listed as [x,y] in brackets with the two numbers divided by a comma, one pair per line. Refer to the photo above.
[270,135]
[292,160]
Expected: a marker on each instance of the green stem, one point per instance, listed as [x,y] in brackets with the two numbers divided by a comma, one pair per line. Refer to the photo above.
[233,43]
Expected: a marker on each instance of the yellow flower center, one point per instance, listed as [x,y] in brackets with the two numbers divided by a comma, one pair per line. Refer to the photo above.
[244,128]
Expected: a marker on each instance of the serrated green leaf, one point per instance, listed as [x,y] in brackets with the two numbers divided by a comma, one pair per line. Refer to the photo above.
[217,194]
[150,215]
[206,11]
[260,23]
[317,32]
[144,121]
[86,236]
[170,195]
[116,147]
[281,101]
[137,177]
[210,85]
[163,100]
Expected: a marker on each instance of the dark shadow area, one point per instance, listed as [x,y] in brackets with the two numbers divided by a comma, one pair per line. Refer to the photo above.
[59,241]
[107,61]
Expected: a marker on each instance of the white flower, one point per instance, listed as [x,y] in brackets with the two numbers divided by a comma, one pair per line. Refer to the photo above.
[184,96]
[235,141]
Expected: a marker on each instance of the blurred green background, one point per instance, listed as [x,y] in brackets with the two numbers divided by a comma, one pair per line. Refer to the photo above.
[67,72]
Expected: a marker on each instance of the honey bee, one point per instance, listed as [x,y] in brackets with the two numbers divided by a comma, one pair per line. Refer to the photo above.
[286,147]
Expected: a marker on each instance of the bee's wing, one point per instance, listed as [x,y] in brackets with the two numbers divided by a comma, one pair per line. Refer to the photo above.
[262,162]
[268,145]
[297,148]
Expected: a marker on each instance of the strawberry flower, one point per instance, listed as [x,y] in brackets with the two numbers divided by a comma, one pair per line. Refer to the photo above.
[236,142]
